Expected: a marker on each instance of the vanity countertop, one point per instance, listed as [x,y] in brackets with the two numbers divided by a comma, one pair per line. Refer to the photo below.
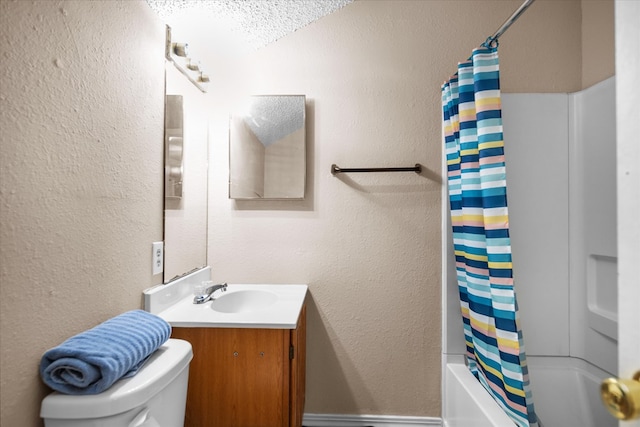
[263,306]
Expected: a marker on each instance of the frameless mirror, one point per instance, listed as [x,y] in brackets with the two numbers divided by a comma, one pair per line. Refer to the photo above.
[173,146]
[267,154]
[186,159]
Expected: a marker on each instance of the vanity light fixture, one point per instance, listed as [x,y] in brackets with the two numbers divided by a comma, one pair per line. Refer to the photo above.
[181,49]
[193,65]
[178,54]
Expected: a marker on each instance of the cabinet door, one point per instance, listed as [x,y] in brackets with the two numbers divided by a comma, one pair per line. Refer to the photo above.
[238,377]
[298,369]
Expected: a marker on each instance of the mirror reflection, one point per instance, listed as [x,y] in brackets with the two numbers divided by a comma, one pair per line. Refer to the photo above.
[185,204]
[267,154]
[173,146]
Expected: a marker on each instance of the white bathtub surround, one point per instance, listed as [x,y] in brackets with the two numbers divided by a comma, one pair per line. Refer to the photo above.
[466,402]
[560,159]
[334,420]
[593,253]
[565,392]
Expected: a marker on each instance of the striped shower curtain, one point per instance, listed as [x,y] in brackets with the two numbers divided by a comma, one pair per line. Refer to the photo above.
[472,127]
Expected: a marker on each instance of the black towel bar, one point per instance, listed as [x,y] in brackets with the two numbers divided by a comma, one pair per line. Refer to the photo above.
[336,169]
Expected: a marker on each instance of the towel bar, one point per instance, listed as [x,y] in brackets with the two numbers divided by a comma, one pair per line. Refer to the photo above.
[336,169]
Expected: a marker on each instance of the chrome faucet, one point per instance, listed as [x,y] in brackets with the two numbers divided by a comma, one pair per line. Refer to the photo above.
[208,293]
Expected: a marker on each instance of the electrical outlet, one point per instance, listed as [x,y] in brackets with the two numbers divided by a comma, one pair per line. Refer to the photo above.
[158,258]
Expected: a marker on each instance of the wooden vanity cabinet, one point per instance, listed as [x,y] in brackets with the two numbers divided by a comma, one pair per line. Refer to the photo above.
[241,377]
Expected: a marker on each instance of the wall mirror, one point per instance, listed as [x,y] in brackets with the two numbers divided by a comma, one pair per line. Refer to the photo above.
[267,148]
[186,165]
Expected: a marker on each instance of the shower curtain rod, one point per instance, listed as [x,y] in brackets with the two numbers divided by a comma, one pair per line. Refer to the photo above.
[504,27]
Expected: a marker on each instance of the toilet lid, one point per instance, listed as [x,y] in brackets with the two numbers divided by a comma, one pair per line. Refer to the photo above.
[163,366]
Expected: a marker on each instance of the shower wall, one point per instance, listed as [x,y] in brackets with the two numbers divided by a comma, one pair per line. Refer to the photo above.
[592,233]
[560,154]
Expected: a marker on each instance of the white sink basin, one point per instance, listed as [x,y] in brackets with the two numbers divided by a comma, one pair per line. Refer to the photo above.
[241,306]
[243,301]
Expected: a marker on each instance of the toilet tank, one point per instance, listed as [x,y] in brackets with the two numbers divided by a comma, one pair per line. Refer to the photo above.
[155,397]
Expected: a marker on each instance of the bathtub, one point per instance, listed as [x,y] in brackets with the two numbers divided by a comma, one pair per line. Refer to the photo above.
[565,394]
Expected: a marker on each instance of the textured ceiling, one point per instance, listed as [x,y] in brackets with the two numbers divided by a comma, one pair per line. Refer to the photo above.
[259,22]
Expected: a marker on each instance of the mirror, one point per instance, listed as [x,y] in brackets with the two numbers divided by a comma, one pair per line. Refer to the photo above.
[186,165]
[267,149]
[173,146]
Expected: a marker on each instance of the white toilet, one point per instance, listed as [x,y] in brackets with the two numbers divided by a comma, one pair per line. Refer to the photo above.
[155,397]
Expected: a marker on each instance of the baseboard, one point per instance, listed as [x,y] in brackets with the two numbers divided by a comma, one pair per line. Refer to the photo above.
[334,420]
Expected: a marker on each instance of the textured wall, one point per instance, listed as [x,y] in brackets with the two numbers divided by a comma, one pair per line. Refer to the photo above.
[81,177]
[368,245]
[598,44]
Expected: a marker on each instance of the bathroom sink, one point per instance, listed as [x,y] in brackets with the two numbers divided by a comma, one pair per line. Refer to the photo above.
[243,301]
[275,306]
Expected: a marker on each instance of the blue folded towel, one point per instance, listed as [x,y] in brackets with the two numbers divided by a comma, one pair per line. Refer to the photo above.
[90,362]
